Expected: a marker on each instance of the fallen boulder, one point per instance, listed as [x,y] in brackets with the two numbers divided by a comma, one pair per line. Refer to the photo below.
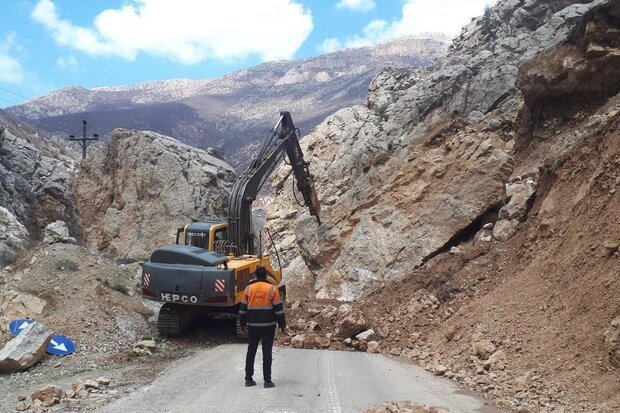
[298,341]
[483,349]
[26,349]
[56,232]
[352,322]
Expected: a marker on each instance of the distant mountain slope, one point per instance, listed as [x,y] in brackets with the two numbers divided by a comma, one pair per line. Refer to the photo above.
[237,109]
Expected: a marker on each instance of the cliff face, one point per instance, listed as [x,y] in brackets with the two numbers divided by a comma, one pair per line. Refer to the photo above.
[135,193]
[36,180]
[433,156]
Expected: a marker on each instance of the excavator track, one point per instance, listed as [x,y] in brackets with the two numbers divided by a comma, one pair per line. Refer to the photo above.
[173,320]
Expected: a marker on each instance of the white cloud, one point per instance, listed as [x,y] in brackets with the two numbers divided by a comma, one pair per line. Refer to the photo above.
[187,31]
[356,5]
[329,45]
[69,63]
[420,16]
[11,70]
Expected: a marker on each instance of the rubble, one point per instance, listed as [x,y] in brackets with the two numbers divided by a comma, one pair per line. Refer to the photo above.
[49,395]
[405,407]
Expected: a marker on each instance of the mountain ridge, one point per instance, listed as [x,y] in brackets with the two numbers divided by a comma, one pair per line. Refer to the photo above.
[235,110]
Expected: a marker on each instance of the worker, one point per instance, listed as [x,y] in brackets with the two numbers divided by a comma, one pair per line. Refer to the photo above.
[261,309]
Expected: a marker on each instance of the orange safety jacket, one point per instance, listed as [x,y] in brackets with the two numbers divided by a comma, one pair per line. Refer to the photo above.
[262,306]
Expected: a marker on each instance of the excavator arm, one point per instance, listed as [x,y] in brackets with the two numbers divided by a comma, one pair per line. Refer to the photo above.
[282,140]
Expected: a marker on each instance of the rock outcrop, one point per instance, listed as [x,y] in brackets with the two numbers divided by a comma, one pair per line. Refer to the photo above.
[134,194]
[434,156]
[36,180]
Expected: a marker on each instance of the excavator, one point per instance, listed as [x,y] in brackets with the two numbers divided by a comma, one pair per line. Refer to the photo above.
[208,268]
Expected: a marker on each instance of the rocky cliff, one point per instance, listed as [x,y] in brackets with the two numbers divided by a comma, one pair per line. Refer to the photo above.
[435,155]
[135,193]
[36,180]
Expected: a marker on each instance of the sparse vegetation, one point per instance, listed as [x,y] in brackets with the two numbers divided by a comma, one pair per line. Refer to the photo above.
[121,288]
[66,265]
[488,28]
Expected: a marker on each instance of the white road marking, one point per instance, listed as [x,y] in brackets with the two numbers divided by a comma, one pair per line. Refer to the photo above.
[332,391]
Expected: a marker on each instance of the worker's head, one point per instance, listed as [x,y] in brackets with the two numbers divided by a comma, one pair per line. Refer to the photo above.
[261,273]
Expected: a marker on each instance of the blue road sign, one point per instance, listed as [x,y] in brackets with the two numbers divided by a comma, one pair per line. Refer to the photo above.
[16,326]
[60,346]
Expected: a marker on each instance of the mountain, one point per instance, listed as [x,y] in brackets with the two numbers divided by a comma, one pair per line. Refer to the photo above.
[237,109]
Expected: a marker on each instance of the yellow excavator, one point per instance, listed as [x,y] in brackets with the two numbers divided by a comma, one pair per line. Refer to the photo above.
[211,263]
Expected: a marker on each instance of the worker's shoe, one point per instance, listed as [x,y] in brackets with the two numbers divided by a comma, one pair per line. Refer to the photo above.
[269,384]
[249,383]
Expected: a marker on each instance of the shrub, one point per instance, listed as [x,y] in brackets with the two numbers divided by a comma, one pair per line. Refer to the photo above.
[121,288]
[66,265]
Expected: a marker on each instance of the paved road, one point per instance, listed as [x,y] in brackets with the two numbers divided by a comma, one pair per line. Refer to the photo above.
[306,381]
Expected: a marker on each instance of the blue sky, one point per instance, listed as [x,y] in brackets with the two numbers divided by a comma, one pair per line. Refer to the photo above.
[49,44]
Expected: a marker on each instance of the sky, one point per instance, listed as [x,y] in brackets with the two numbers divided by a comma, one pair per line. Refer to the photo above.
[49,44]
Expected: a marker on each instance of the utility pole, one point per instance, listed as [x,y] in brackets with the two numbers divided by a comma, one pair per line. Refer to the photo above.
[84,139]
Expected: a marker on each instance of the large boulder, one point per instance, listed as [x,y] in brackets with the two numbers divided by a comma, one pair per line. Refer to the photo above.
[57,232]
[351,322]
[142,186]
[26,349]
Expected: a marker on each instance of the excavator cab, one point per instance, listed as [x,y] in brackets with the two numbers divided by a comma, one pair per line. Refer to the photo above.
[211,235]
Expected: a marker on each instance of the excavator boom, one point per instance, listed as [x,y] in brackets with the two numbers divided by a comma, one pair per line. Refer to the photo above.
[282,140]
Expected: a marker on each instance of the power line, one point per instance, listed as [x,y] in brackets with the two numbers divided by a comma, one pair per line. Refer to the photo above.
[13,93]
[10,101]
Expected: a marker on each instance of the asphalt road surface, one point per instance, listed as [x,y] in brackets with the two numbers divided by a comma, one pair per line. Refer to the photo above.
[306,381]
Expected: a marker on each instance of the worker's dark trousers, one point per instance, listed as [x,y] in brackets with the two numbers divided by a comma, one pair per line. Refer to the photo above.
[256,335]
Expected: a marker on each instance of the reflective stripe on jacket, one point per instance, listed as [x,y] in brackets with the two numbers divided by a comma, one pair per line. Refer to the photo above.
[262,306]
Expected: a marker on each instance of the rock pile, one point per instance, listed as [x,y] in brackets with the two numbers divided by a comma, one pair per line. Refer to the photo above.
[48,396]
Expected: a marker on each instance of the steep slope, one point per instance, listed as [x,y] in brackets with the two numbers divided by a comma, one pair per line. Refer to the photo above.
[36,179]
[135,193]
[473,209]
[235,110]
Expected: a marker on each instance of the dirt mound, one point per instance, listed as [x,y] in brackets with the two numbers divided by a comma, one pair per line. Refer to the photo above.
[78,294]
[545,298]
